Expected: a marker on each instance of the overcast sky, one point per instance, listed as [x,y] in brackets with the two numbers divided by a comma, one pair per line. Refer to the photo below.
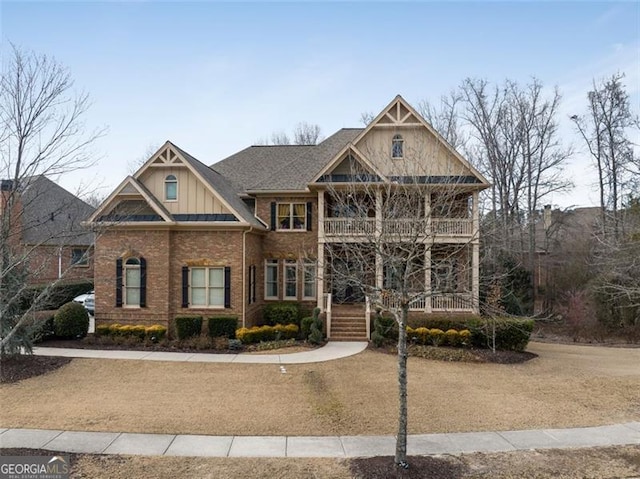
[216,77]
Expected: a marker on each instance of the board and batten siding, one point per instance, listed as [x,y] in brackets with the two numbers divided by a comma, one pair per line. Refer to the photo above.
[193,196]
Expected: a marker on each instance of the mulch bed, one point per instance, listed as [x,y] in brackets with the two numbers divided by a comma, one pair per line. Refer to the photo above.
[471,355]
[420,467]
[17,368]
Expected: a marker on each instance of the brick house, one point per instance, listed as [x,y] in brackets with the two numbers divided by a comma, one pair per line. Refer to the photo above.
[46,225]
[180,237]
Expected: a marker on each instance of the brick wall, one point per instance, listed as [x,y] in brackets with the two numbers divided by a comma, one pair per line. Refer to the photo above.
[44,264]
[153,245]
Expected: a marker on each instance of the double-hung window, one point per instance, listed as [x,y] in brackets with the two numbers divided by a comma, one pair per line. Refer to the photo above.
[79,257]
[171,188]
[132,282]
[207,287]
[309,277]
[290,279]
[292,216]
[271,279]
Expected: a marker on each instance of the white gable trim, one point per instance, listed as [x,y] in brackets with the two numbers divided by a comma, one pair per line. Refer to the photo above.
[340,156]
[398,100]
[130,181]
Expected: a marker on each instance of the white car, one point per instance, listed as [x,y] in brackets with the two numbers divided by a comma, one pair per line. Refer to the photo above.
[87,300]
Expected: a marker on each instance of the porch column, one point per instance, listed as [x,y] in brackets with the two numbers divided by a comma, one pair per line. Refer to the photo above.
[427,211]
[475,256]
[320,262]
[379,266]
[427,279]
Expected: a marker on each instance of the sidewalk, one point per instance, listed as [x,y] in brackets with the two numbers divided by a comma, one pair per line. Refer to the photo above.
[332,350]
[316,446]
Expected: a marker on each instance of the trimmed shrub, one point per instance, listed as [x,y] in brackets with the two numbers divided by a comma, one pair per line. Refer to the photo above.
[377,338]
[46,326]
[436,336]
[114,329]
[188,326]
[71,321]
[258,334]
[316,336]
[220,326]
[138,331]
[465,337]
[305,326]
[385,326]
[281,313]
[506,334]
[235,344]
[156,333]
[452,337]
[103,330]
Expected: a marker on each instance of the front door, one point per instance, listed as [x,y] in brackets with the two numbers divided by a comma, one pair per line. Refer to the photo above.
[347,281]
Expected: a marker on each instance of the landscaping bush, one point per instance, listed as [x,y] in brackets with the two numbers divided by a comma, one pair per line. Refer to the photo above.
[222,326]
[71,321]
[103,330]
[138,331]
[436,336]
[58,295]
[510,334]
[386,326]
[316,336]
[258,334]
[281,313]
[305,327]
[156,333]
[188,326]
[457,322]
[465,337]
[452,337]
[46,327]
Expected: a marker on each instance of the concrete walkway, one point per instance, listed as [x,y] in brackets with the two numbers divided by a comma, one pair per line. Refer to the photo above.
[316,446]
[332,350]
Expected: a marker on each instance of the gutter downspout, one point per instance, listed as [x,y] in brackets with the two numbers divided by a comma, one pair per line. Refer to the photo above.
[244,267]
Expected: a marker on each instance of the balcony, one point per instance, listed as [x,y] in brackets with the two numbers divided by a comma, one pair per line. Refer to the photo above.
[440,302]
[341,228]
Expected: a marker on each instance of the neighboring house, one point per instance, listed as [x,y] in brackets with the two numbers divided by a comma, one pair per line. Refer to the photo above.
[185,238]
[46,225]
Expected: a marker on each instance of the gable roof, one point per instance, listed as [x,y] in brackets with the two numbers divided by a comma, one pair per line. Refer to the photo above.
[399,102]
[278,168]
[223,187]
[52,215]
[132,186]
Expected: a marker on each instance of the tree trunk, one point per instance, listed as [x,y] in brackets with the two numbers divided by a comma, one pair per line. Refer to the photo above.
[401,441]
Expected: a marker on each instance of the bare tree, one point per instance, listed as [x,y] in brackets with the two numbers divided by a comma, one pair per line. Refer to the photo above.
[41,133]
[516,137]
[134,165]
[306,134]
[446,119]
[391,256]
[303,134]
[605,131]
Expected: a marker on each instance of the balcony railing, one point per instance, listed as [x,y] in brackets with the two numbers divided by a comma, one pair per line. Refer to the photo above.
[349,226]
[345,227]
[439,302]
[452,302]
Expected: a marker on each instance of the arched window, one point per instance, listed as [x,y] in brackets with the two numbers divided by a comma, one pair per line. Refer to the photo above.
[132,282]
[397,147]
[171,188]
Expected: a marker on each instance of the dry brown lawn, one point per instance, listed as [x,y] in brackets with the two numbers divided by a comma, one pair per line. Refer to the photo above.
[565,386]
[593,463]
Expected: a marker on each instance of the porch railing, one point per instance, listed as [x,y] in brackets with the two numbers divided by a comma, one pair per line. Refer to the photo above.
[452,226]
[342,227]
[418,304]
[452,302]
[349,226]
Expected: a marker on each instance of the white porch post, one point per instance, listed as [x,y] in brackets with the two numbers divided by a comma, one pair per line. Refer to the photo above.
[427,211]
[379,267]
[475,261]
[427,278]
[320,266]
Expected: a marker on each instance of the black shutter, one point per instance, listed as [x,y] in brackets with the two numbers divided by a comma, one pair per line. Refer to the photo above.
[273,216]
[227,287]
[143,282]
[119,283]
[309,215]
[185,286]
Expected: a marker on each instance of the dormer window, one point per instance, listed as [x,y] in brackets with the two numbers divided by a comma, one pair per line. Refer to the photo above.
[397,147]
[170,188]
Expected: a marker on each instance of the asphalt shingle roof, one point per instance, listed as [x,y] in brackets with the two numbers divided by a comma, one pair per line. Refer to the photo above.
[288,167]
[223,187]
[52,215]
